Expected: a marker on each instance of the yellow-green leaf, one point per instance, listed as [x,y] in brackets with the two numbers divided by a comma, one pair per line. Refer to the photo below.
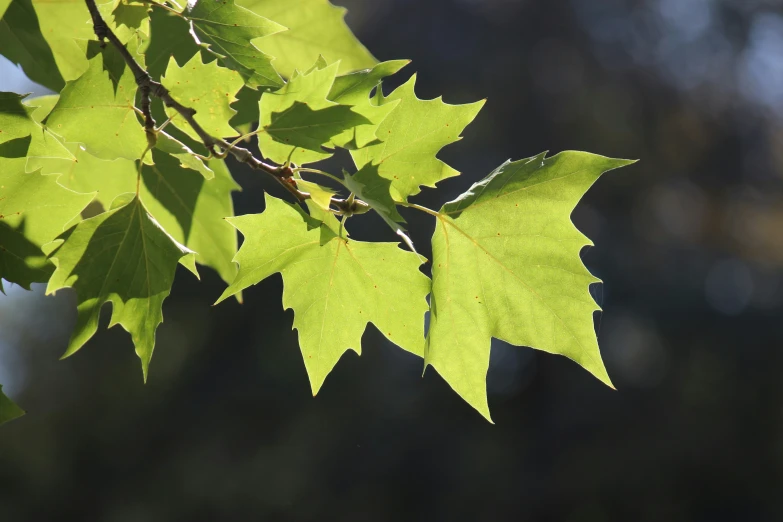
[315,27]
[207,88]
[124,257]
[228,30]
[506,265]
[412,136]
[98,111]
[334,285]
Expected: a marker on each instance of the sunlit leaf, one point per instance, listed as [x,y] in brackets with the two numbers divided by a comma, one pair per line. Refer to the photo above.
[228,30]
[354,89]
[123,257]
[303,95]
[335,286]
[315,27]
[207,88]
[34,209]
[506,265]
[304,128]
[412,136]
[98,111]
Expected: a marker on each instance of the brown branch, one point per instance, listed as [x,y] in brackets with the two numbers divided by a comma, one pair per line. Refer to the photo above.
[147,86]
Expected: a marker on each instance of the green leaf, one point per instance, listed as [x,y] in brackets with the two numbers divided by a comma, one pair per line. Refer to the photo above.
[86,174]
[134,16]
[374,190]
[319,216]
[21,135]
[229,29]
[334,289]
[246,107]
[354,89]
[97,110]
[184,155]
[124,257]
[169,38]
[22,43]
[412,135]
[34,209]
[64,25]
[310,89]
[192,210]
[207,88]
[315,27]
[128,19]
[302,127]
[43,105]
[506,265]
[188,207]
[49,38]
[320,63]
[320,195]
[189,210]
[8,410]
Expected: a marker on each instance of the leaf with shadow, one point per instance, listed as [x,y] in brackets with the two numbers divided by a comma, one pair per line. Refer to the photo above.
[122,256]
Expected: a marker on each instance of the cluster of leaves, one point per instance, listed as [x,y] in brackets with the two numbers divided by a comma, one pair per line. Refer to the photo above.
[96,194]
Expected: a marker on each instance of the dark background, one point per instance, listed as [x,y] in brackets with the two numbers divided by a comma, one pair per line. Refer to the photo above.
[689,243]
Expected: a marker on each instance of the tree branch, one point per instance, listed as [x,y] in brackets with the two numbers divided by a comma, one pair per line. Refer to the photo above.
[147,87]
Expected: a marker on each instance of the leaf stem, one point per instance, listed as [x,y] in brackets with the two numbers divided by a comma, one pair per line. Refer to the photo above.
[246,136]
[418,207]
[320,172]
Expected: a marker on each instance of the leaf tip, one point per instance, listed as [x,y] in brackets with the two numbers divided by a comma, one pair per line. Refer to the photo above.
[225,295]
[189,262]
[316,383]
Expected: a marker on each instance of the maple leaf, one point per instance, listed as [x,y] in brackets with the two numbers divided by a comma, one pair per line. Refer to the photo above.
[506,265]
[300,126]
[34,209]
[312,119]
[49,38]
[97,109]
[315,27]
[186,157]
[169,38]
[207,88]
[22,42]
[321,196]
[334,285]
[178,195]
[41,107]
[192,209]
[132,16]
[124,257]
[412,135]
[21,134]
[228,30]
[354,89]
[375,191]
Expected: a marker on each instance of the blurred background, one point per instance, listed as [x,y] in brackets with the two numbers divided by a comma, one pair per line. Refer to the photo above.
[689,243]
